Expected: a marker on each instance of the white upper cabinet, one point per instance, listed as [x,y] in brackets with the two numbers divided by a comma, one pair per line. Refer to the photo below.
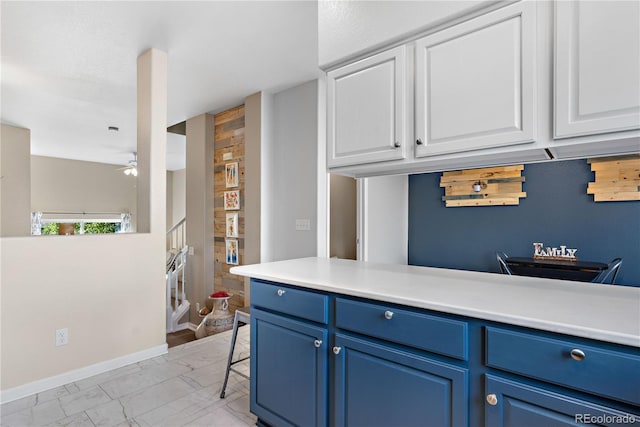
[475,83]
[597,67]
[367,110]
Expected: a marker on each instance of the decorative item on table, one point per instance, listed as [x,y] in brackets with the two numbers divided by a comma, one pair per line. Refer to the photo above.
[232,200]
[232,225]
[562,254]
[231,251]
[231,174]
[219,319]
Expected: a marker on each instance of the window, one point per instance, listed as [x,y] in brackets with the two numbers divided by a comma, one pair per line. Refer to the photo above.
[48,223]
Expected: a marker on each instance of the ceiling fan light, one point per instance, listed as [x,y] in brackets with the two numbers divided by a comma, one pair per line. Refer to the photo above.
[127,171]
[134,172]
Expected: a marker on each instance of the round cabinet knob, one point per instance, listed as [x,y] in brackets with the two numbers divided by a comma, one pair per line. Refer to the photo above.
[419,141]
[396,144]
[577,354]
[492,399]
[317,343]
[336,350]
[388,315]
[281,292]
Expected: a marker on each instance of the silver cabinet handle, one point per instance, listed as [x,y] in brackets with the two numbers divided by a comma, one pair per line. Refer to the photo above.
[317,343]
[492,399]
[388,314]
[281,292]
[577,354]
[419,141]
[336,350]
[397,144]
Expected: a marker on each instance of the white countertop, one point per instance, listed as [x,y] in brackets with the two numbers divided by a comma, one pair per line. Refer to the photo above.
[601,312]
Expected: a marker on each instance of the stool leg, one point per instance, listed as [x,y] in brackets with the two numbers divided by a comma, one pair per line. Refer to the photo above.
[231,349]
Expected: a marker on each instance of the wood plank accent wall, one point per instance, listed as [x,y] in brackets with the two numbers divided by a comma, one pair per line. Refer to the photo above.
[617,178]
[229,140]
[499,186]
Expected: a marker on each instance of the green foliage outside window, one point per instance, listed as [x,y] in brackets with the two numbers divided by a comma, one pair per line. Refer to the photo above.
[89,228]
[51,228]
[101,227]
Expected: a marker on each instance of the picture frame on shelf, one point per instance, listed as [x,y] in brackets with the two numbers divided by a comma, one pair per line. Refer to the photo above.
[232,200]
[231,246]
[231,174]
[231,225]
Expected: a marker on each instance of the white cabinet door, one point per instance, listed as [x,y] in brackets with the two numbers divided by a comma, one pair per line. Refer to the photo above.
[597,67]
[475,83]
[367,110]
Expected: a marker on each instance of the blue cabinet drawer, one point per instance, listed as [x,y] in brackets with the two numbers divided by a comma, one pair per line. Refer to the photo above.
[607,373]
[295,302]
[431,333]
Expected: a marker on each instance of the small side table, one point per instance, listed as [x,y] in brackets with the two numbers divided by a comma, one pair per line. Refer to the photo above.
[581,271]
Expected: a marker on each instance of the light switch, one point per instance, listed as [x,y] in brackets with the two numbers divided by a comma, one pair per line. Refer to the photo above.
[303,224]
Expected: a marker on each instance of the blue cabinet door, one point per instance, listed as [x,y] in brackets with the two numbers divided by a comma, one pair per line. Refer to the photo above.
[288,371]
[514,404]
[379,385]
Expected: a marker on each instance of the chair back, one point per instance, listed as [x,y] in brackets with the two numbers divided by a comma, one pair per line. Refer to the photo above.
[502,263]
[609,275]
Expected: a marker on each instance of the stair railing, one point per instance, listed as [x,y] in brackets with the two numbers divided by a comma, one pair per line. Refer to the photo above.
[177,235]
[177,303]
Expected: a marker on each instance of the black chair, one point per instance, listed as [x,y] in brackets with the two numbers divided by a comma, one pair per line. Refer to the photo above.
[611,272]
[502,263]
[242,317]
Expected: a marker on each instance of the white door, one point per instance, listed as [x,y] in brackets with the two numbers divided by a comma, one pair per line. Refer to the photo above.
[366,110]
[597,67]
[475,83]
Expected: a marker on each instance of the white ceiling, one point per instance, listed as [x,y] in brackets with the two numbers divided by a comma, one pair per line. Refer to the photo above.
[69,68]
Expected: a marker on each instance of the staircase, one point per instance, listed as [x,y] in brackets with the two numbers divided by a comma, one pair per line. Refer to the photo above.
[177,302]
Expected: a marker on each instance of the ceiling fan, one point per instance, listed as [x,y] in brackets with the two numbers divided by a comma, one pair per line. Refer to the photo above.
[132,167]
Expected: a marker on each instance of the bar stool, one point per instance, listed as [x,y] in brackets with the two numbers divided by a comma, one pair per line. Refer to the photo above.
[241,318]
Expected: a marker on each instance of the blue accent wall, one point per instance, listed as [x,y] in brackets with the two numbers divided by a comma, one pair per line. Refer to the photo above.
[556,211]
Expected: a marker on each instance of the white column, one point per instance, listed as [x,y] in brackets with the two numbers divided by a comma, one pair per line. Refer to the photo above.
[152,142]
[199,209]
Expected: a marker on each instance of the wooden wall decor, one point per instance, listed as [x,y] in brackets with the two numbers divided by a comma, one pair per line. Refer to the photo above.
[617,178]
[228,150]
[498,186]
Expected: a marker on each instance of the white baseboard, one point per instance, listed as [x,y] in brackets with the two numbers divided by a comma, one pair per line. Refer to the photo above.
[39,386]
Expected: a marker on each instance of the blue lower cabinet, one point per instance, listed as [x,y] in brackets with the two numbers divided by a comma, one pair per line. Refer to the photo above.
[514,404]
[288,371]
[380,385]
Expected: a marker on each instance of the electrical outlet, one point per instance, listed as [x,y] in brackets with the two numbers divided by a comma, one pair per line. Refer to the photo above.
[62,336]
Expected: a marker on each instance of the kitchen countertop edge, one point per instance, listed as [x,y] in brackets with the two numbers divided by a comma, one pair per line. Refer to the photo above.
[601,312]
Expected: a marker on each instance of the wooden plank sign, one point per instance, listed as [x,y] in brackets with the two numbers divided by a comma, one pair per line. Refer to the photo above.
[616,178]
[498,186]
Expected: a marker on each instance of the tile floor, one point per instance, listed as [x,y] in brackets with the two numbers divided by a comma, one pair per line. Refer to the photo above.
[180,388]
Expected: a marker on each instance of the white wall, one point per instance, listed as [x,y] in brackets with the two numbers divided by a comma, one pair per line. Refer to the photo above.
[15,203]
[62,185]
[107,289]
[290,174]
[178,186]
[349,28]
[384,224]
